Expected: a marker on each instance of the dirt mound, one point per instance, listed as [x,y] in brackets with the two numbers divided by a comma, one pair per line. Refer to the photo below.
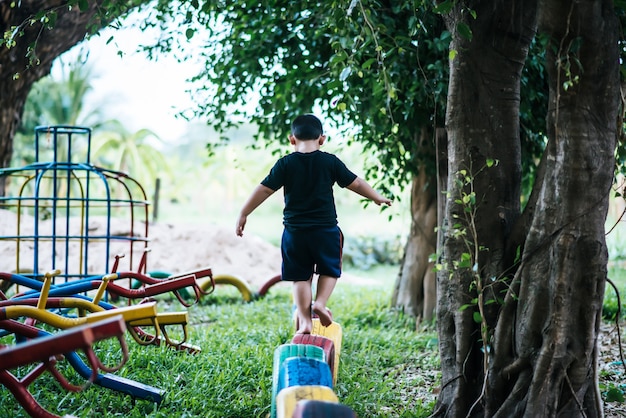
[173,248]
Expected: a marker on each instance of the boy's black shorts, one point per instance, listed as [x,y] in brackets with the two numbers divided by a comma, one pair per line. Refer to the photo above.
[308,251]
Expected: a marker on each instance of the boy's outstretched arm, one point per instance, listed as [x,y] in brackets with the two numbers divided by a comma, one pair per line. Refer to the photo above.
[363,188]
[258,196]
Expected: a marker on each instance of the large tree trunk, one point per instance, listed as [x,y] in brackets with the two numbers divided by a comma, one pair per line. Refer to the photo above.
[32,56]
[483,190]
[415,288]
[545,346]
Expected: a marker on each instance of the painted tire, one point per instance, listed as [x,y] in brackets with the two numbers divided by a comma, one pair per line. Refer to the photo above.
[268,284]
[286,351]
[288,398]
[240,284]
[310,408]
[302,371]
[326,344]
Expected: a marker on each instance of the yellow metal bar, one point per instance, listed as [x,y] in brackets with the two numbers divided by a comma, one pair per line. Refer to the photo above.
[70,302]
[103,286]
[41,315]
[165,318]
[45,290]
[129,313]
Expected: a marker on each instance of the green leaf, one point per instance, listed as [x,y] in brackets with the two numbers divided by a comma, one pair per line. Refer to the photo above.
[52,19]
[464,30]
[477,317]
[83,5]
[189,33]
[614,394]
[443,7]
[367,64]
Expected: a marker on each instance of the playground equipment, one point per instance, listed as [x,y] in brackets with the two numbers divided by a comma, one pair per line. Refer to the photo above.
[48,350]
[91,314]
[63,202]
[64,208]
[207,281]
[69,296]
[24,332]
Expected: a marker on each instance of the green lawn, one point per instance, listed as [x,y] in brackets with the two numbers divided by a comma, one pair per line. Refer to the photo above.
[386,368]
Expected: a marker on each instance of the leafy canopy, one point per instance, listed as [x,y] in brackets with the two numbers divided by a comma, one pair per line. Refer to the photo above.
[379,71]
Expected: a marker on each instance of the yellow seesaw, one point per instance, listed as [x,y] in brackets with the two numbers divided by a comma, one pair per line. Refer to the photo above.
[135,316]
[128,313]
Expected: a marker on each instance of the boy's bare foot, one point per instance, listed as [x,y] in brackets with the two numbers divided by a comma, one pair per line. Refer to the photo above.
[304,328]
[323,313]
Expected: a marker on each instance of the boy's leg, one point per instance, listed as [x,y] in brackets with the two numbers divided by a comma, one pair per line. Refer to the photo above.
[325,287]
[302,296]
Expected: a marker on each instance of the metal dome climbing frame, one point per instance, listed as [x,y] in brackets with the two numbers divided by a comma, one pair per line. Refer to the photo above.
[64,206]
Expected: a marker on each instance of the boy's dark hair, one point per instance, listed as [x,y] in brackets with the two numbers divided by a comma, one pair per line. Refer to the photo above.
[306,127]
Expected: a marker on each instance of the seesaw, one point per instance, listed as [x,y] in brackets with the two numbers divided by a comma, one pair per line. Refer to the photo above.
[145,311]
[211,281]
[107,380]
[46,350]
[138,279]
[173,285]
[134,318]
[38,312]
[163,320]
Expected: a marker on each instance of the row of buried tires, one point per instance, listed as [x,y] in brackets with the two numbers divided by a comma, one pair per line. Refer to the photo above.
[304,375]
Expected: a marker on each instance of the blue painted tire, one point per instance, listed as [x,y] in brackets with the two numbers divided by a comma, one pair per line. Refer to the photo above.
[302,371]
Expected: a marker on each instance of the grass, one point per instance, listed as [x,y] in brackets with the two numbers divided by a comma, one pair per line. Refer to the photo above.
[386,368]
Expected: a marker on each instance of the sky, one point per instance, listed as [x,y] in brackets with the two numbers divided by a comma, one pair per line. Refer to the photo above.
[138,92]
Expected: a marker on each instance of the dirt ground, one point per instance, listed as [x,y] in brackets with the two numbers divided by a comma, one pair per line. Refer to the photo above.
[171,248]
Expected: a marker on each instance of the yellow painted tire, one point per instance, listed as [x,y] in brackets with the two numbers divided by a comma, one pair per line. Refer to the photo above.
[335,333]
[239,283]
[288,398]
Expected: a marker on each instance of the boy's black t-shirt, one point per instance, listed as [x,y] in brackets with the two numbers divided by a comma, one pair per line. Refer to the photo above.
[308,180]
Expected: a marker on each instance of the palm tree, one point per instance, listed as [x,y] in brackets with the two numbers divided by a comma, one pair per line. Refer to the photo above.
[57,101]
[130,152]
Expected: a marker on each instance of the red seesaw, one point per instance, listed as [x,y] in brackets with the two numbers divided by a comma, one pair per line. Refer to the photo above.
[47,350]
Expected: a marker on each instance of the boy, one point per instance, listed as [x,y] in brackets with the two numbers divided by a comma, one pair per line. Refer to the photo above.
[312,241]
